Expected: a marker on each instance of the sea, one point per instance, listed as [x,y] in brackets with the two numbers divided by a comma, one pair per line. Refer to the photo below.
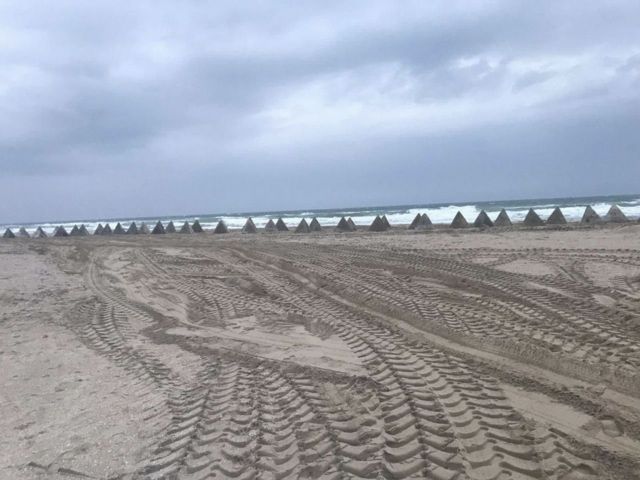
[439,213]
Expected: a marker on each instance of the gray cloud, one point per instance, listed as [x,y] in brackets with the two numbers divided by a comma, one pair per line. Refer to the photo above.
[115,109]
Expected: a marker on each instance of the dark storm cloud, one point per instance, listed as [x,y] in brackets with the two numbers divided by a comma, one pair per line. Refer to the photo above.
[105,104]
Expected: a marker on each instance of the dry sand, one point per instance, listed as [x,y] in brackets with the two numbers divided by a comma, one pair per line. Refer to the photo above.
[444,354]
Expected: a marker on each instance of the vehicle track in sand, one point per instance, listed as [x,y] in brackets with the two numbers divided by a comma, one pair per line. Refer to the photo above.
[419,393]
[539,318]
[423,411]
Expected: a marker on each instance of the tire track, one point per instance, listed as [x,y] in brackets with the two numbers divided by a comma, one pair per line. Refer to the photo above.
[475,446]
[425,414]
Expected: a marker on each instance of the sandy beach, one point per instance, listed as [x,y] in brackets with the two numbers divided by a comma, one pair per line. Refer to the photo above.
[495,354]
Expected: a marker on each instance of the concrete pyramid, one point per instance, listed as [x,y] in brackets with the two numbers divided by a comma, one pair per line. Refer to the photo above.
[75,231]
[270,226]
[343,225]
[615,215]
[170,228]
[133,229]
[195,226]
[424,223]
[303,227]
[249,226]
[60,232]
[315,226]
[281,226]
[459,221]
[532,219]
[386,222]
[8,234]
[119,230]
[186,228]
[556,217]
[158,229]
[106,230]
[352,224]
[23,233]
[98,230]
[590,215]
[483,220]
[83,232]
[221,227]
[417,219]
[503,220]
[144,229]
[40,233]
[378,225]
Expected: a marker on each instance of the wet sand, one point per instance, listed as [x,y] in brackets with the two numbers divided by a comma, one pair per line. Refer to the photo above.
[445,354]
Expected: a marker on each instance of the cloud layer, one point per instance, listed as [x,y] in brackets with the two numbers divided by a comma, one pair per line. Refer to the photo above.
[142,108]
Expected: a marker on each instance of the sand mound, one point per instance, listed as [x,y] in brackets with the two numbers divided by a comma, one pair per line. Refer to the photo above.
[8,234]
[106,230]
[40,233]
[615,215]
[75,231]
[158,229]
[133,229]
[83,231]
[503,220]
[315,226]
[590,215]
[119,230]
[270,226]
[144,229]
[23,233]
[170,228]
[281,226]
[459,221]
[556,217]
[483,220]
[352,224]
[60,232]
[378,225]
[221,227]
[303,227]
[249,226]
[343,226]
[532,219]
[385,221]
[186,228]
[98,230]
[196,227]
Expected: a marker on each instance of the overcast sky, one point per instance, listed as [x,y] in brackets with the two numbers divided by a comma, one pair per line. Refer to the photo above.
[155,108]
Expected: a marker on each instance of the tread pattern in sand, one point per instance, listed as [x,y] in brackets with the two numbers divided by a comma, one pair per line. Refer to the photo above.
[411,408]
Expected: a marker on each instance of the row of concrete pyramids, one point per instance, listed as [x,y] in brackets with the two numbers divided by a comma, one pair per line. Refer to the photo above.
[379,224]
[303,226]
[81,231]
[532,219]
[344,225]
[159,228]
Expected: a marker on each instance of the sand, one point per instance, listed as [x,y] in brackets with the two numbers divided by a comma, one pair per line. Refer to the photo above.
[436,354]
